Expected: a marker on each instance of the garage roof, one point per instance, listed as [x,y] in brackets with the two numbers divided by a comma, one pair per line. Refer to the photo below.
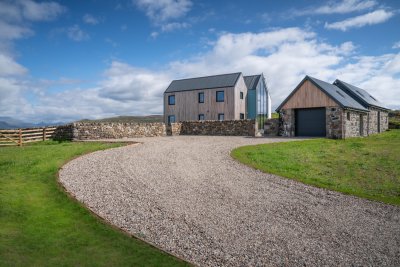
[208,82]
[362,96]
[337,94]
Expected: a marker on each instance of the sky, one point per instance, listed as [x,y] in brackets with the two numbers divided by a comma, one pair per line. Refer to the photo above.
[73,59]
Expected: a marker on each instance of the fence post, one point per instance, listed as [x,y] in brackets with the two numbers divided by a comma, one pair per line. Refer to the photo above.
[44,134]
[20,137]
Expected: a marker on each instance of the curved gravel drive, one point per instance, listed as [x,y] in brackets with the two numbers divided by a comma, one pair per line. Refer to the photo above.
[186,195]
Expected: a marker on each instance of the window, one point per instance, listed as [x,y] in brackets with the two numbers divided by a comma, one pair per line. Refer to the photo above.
[242,116]
[171,100]
[220,116]
[201,117]
[241,95]
[348,116]
[171,119]
[201,97]
[220,96]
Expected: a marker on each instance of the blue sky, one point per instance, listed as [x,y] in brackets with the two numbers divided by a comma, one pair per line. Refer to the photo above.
[68,60]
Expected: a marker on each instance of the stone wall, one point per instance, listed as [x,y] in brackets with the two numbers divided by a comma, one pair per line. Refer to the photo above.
[334,118]
[373,120]
[287,123]
[229,127]
[271,127]
[63,133]
[93,131]
[351,123]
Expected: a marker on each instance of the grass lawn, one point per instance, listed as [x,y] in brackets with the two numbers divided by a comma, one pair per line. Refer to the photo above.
[365,167]
[41,226]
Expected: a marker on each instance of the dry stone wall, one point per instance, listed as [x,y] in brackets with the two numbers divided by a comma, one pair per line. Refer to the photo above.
[271,127]
[334,118]
[229,127]
[94,131]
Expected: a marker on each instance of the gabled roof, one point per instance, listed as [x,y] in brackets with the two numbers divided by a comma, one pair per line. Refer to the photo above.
[362,96]
[251,81]
[208,82]
[338,95]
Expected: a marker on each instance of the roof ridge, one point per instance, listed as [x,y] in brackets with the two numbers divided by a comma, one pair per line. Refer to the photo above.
[206,76]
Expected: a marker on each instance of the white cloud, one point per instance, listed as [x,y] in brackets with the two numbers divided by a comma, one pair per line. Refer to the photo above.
[90,19]
[285,56]
[41,11]
[77,34]
[396,45]
[164,10]
[174,26]
[335,7]
[9,67]
[371,18]
[10,31]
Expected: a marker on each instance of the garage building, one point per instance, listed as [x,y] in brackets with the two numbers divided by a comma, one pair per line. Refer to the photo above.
[338,110]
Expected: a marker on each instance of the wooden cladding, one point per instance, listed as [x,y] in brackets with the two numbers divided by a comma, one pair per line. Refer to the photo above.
[309,96]
[22,136]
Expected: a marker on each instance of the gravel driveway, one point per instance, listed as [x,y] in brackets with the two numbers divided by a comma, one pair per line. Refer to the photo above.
[186,195]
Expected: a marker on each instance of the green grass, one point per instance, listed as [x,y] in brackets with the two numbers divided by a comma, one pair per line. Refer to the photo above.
[41,226]
[130,119]
[365,167]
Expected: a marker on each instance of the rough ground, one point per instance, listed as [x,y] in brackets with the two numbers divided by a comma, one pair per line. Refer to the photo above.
[186,195]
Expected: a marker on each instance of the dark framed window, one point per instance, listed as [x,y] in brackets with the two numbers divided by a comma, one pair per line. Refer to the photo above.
[201,97]
[221,116]
[171,100]
[220,96]
[171,119]
[241,95]
[201,117]
[348,116]
[242,116]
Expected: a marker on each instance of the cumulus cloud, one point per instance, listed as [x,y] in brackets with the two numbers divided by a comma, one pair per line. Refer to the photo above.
[371,18]
[9,67]
[396,45]
[285,56]
[335,7]
[164,10]
[90,19]
[41,11]
[77,34]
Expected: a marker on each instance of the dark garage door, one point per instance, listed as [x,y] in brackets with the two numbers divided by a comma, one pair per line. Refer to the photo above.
[310,122]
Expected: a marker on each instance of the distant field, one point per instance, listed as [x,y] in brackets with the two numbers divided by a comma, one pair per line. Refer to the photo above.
[394,119]
[365,167]
[127,119]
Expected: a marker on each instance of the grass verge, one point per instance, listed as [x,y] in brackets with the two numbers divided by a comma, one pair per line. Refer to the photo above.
[365,167]
[41,226]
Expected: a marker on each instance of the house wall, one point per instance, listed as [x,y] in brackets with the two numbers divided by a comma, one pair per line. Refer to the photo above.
[240,104]
[187,107]
[309,96]
[334,122]
[373,120]
[351,127]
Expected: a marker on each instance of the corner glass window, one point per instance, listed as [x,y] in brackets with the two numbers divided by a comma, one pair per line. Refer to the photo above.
[241,95]
[221,116]
[201,117]
[201,97]
[242,116]
[220,96]
[171,119]
[171,100]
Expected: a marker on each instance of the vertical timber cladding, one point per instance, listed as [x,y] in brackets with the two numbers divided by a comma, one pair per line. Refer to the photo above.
[310,122]
[310,103]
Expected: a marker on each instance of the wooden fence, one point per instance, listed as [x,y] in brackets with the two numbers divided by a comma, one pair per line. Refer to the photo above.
[18,137]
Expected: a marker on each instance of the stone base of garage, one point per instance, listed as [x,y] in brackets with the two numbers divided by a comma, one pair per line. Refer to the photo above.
[340,123]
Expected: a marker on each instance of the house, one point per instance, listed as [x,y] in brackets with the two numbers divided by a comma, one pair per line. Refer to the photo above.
[338,110]
[218,97]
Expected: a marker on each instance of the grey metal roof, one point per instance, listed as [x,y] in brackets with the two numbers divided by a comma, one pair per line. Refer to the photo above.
[338,95]
[208,82]
[362,96]
[251,81]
